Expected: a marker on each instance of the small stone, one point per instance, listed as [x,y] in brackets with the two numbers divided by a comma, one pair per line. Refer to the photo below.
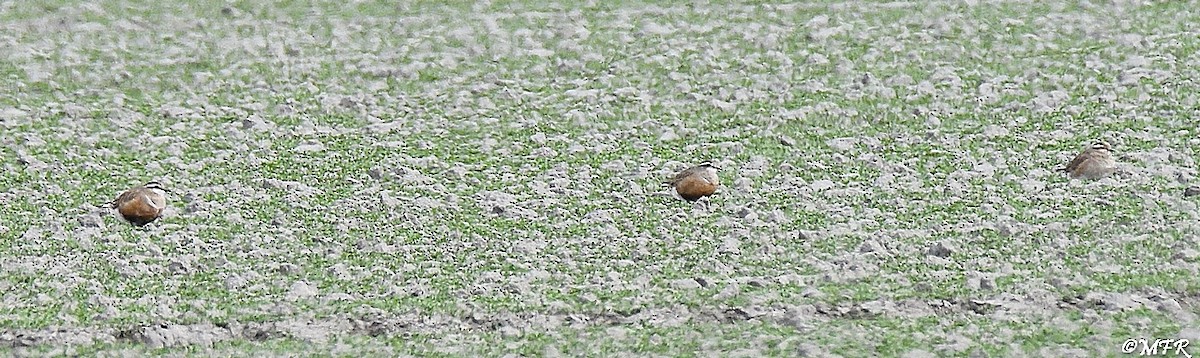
[938,261]
[1169,306]
[309,147]
[918,353]
[301,289]
[235,282]
[842,144]
[865,79]
[776,216]
[338,296]
[787,141]
[821,185]
[987,283]
[743,184]
[1191,334]
[1191,191]
[177,267]
[738,313]
[728,292]
[91,220]
[376,173]
[1112,301]
[272,184]
[875,307]
[744,212]
[1186,254]
[551,352]
[667,136]
[810,350]
[869,246]
[510,331]
[288,269]
[685,284]
[995,131]
[731,245]
[941,249]
[12,113]
[1004,229]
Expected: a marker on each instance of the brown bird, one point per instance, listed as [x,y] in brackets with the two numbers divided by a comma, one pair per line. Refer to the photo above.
[696,182]
[1094,163]
[142,205]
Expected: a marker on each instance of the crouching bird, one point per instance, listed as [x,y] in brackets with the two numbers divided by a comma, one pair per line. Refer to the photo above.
[141,205]
[1094,163]
[696,182]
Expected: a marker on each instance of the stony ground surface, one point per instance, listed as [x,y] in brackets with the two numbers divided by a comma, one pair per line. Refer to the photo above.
[366,178]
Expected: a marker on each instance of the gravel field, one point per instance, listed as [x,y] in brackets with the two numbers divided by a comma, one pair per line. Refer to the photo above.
[361,178]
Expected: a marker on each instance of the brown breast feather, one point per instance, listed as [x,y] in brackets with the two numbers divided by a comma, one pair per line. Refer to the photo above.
[135,207]
[692,188]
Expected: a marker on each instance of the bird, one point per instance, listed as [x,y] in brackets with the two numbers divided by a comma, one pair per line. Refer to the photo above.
[696,182]
[141,205]
[1094,163]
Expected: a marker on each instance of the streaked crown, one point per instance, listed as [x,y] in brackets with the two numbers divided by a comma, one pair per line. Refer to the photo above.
[155,185]
[1102,145]
[708,164]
